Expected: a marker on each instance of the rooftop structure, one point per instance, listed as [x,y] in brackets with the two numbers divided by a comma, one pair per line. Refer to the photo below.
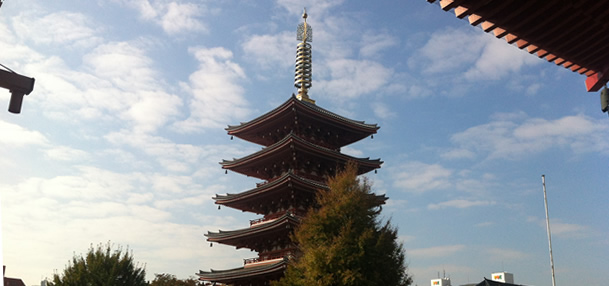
[10,281]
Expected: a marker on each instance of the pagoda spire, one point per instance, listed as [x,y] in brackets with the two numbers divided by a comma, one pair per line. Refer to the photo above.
[302,77]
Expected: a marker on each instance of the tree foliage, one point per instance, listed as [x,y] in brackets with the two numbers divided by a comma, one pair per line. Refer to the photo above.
[102,266]
[343,242]
[170,280]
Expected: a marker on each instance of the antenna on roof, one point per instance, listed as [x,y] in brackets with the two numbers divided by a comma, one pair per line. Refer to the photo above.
[302,75]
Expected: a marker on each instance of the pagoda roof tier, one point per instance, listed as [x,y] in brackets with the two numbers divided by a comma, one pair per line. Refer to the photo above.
[284,191]
[256,236]
[251,275]
[295,153]
[332,130]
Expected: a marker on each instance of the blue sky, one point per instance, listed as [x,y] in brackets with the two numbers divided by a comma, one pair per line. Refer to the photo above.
[121,138]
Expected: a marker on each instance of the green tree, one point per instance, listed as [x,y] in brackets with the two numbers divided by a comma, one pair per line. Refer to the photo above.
[170,280]
[102,266]
[342,242]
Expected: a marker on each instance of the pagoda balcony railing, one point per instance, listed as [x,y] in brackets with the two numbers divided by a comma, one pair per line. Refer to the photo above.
[267,181]
[259,221]
[259,261]
[255,222]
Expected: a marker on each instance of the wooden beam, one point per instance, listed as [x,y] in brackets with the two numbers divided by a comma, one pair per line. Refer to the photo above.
[499,32]
[461,12]
[446,5]
[474,19]
[532,49]
[542,53]
[521,44]
[488,26]
[511,38]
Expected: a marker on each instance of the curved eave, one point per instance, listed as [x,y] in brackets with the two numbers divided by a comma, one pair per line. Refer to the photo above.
[269,187]
[231,237]
[246,130]
[240,273]
[382,199]
[365,164]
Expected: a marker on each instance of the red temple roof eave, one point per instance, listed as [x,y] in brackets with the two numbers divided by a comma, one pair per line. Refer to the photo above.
[311,108]
[286,178]
[235,274]
[225,236]
[371,163]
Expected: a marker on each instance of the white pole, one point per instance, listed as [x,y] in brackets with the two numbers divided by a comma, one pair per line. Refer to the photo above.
[545,198]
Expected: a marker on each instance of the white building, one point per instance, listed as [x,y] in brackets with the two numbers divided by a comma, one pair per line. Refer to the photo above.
[440,282]
[504,277]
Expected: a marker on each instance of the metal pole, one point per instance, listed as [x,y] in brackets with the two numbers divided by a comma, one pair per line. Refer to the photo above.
[545,198]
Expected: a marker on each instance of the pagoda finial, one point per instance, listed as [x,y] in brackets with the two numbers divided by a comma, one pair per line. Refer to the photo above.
[302,77]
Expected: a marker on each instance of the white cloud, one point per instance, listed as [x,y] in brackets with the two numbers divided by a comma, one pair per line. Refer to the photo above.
[512,139]
[568,229]
[448,51]
[64,153]
[119,84]
[88,183]
[484,224]
[460,204]
[373,43]
[563,229]
[144,7]
[122,64]
[499,254]
[63,215]
[182,18]
[174,17]
[498,59]
[61,28]
[16,136]
[406,238]
[472,54]
[314,7]
[272,50]
[171,183]
[175,157]
[436,251]
[418,91]
[217,94]
[353,78]
[382,110]
[458,153]
[419,177]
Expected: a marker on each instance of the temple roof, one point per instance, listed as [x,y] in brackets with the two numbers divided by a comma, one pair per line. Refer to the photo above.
[573,34]
[488,282]
[263,192]
[245,237]
[262,163]
[245,274]
[295,112]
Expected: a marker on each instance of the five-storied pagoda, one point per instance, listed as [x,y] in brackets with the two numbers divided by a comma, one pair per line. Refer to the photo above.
[301,151]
